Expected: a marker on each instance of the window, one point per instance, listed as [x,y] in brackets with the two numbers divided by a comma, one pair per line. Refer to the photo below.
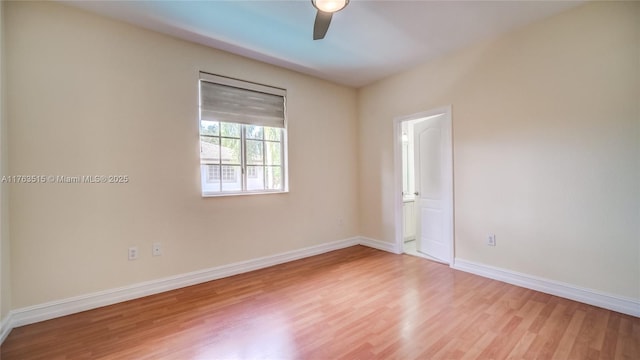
[242,137]
[213,174]
[252,172]
[228,174]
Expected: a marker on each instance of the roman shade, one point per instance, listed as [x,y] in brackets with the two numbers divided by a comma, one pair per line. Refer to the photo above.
[230,100]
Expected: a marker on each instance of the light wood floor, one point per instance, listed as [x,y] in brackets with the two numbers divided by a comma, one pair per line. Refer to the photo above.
[355,303]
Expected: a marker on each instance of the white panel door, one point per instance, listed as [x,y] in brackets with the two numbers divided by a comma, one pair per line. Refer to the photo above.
[432,152]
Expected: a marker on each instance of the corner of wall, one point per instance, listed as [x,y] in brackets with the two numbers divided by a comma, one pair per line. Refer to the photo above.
[359,159]
[5,275]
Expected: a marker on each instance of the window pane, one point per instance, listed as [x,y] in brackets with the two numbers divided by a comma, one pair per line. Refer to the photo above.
[271,133]
[209,150]
[231,179]
[254,152]
[273,155]
[209,128]
[254,132]
[230,129]
[209,182]
[274,178]
[230,151]
[213,173]
[255,177]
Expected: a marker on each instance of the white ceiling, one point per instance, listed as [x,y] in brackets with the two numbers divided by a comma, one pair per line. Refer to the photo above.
[366,41]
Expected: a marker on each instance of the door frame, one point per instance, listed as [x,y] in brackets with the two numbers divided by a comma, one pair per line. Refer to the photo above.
[397,175]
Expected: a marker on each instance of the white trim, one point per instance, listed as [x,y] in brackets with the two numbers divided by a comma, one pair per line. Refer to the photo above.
[54,309]
[6,325]
[397,174]
[592,297]
[380,245]
[398,201]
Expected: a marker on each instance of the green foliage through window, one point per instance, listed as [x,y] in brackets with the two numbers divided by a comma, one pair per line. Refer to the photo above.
[249,157]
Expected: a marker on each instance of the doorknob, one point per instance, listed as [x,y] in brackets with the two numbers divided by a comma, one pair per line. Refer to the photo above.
[416,193]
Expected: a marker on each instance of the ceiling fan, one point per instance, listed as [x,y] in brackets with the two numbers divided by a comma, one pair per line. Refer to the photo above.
[326,8]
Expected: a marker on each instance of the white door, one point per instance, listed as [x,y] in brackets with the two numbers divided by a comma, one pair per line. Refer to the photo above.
[433,185]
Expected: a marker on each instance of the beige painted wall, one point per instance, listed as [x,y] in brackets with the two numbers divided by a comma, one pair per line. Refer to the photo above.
[546,124]
[5,251]
[546,150]
[92,96]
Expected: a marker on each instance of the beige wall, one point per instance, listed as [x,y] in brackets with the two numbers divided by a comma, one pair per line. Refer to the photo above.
[546,141]
[5,251]
[546,150]
[93,96]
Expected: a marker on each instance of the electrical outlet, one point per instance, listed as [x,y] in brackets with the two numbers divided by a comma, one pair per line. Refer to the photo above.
[133,253]
[491,240]
[156,250]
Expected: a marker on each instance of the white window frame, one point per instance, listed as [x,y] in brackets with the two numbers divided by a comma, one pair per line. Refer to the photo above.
[217,79]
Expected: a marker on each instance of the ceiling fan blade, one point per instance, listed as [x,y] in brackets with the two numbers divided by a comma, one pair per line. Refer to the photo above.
[321,25]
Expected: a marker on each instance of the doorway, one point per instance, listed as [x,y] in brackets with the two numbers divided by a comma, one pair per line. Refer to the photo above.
[424,185]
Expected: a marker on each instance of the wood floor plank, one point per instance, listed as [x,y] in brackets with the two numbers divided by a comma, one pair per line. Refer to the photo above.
[521,347]
[568,338]
[354,303]
[549,335]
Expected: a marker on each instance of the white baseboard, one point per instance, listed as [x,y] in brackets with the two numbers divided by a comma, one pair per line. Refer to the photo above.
[380,245]
[612,302]
[50,310]
[5,327]
[54,309]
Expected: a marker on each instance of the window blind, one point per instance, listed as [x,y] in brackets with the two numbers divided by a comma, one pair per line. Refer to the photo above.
[246,103]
